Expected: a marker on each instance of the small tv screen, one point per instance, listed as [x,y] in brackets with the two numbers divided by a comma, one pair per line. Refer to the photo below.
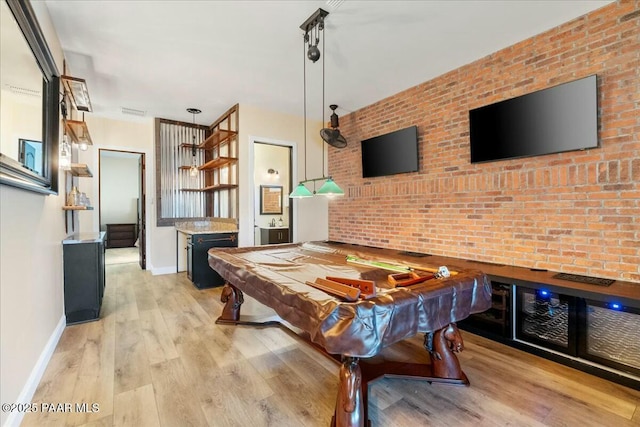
[553,120]
[390,154]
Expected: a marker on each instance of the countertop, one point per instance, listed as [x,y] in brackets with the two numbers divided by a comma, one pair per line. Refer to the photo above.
[91,237]
[215,225]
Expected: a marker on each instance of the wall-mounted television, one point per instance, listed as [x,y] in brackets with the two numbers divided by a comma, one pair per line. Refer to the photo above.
[391,153]
[553,120]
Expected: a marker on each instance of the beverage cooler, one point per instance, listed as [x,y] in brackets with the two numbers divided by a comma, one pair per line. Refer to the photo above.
[610,335]
[547,319]
[603,332]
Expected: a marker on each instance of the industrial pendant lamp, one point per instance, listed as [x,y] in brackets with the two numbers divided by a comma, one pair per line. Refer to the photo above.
[312,28]
[193,171]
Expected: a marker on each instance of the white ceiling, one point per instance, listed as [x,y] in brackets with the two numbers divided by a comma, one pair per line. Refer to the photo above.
[165,56]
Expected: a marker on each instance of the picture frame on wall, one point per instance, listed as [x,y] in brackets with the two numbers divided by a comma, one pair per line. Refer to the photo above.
[270,200]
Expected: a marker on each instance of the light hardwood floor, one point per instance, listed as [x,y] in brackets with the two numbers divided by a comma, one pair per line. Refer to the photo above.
[156,358]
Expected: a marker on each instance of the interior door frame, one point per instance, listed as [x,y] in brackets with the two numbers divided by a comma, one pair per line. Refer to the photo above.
[142,192]
[293,174]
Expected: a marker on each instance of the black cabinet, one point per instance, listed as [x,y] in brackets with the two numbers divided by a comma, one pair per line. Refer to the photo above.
[198,269]
[590,331]
[496,321]
[84,276]
[269,236]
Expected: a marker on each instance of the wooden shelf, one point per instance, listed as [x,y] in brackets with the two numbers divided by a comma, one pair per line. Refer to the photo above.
[78,131]
[218,187]
[217,163]
[217,138]
[77,208]
[80,169]
[190,146]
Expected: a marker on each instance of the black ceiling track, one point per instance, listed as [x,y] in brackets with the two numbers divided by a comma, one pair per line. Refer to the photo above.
[317,17]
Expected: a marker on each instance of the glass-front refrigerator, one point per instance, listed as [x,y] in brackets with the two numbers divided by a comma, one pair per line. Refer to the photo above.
[547,319]
[610,335]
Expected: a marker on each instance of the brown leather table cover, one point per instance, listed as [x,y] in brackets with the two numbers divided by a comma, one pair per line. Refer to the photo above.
[275,275]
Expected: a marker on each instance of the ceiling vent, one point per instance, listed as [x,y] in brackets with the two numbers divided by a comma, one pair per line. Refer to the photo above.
[334,4]
[133,112]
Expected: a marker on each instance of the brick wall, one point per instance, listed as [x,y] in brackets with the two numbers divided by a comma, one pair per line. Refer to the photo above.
[577,212]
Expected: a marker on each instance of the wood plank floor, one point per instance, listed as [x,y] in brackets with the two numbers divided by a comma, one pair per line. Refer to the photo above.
[156,358]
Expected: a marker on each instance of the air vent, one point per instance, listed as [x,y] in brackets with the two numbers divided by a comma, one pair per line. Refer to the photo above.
[413,254]
[133,112]
[584,279]
[23,91]
[334,4]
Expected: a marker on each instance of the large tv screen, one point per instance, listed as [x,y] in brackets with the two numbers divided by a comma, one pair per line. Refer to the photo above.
[553,120]
[390,154]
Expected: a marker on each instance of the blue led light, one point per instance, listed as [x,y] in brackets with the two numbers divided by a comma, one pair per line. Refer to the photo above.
[543,293]
[615,306]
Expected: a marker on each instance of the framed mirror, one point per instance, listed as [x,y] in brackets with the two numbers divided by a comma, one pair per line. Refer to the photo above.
[30,100]
[270,199]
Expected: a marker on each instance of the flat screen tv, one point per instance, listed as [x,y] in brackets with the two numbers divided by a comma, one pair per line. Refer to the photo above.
[553,120]
[390,154]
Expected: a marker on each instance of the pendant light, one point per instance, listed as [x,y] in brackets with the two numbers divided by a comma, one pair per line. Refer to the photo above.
[64,160]
[312,28]
[193,170]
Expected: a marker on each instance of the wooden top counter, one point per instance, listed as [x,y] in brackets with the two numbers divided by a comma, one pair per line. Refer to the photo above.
[627,293]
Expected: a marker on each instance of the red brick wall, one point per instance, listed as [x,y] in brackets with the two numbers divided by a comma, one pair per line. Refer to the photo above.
[576,212]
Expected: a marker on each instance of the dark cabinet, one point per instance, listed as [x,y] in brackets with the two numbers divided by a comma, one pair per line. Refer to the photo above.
[496,321]
[198,269]
[121,235]
[584,329]
[269,236]
[84,276]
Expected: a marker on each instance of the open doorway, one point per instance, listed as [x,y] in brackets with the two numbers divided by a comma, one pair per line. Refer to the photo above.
[272,181]
[122,206]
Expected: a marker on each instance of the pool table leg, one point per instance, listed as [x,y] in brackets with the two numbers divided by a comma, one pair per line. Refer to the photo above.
[442,346]
[233,299]
[349,403]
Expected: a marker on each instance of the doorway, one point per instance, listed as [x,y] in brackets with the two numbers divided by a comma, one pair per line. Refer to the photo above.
[122,206]
[272,183]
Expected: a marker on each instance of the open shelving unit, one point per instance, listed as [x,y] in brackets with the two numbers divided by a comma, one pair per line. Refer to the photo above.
[219,170]
[80,170]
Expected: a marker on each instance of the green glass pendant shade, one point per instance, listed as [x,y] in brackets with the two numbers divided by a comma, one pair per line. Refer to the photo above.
[300,192]
[330,188]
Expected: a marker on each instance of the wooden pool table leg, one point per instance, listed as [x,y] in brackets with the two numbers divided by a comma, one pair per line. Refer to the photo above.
[442,346]
[233,299]
[349,403]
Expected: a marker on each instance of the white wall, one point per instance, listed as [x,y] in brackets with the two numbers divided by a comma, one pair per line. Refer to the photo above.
[119,190]
[133,136]
[31,289]
[310,218]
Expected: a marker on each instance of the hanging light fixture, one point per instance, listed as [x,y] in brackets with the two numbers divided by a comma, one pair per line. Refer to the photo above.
[64,160]
[312,28]
[193,170]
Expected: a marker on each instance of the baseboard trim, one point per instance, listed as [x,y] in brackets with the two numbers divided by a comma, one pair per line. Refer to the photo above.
[163,270]
[26,395]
